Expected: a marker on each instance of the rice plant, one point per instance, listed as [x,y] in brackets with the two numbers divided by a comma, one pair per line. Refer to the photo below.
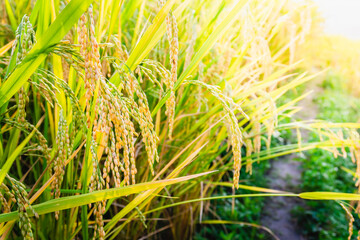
[119,117]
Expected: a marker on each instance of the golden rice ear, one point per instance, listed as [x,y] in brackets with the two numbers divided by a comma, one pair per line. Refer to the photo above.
[63,151]
[249,151]
[235,135]
[172,33]
[113,131]
[257,132]
[21,105]
[19,195]
[357,160]
[351,220]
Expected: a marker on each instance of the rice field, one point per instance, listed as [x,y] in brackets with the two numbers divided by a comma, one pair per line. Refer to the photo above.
[122,119]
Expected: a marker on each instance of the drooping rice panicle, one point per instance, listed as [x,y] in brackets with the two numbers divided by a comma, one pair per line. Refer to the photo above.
[19,194]
[172,33]
[63,151]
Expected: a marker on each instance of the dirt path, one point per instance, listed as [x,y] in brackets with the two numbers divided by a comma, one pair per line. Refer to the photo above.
[285,174]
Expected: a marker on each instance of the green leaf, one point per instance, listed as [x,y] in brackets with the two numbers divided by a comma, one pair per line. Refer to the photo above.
[143,48]
[84,199]
[329,196]
[6,167]
[11,15]
[148,41]
[58,29]
[205,48]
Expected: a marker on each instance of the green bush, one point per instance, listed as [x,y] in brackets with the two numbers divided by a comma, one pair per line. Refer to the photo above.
[324,172]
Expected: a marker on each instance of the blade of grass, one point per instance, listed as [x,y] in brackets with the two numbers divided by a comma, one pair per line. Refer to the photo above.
[80,200]
[6,167]
[241,224]
[205,48]
[6,48]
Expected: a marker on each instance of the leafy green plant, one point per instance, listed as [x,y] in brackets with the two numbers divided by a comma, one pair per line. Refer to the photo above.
[322,171]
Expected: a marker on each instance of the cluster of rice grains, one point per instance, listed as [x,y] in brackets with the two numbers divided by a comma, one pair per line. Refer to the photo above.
[63,150]
[24,40]
[113,131]
[172,33]
[351,221]
[11,190]
[231,122]
[16,193]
